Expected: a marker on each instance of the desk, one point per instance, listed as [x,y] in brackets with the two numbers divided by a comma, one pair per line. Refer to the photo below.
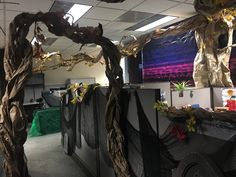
[30,108]
[46,121]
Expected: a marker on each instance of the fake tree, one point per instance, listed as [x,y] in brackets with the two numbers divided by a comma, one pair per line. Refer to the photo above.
[211,64]
[18,69]
[211,67]
[214,19]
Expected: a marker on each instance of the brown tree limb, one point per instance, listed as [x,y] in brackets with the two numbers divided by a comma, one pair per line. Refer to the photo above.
[18,66]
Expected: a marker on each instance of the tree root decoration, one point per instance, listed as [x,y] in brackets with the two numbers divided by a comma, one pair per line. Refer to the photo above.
[18,69]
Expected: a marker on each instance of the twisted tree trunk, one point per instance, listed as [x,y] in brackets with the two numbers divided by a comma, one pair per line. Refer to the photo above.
[13,124]
[18,66]
[211,65]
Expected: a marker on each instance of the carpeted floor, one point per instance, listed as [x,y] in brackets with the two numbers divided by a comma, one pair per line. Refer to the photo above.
[46,158]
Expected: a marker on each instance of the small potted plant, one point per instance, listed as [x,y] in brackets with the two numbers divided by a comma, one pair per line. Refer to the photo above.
[180,87]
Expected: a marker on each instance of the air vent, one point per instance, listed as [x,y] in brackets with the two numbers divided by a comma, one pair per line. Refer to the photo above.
[145,22]
[49,41]
[133,16]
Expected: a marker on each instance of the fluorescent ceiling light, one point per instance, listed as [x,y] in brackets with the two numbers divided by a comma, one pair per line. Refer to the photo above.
[156,23]
[76,11]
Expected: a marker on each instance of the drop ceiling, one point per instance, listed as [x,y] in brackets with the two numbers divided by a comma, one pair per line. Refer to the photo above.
[116,18]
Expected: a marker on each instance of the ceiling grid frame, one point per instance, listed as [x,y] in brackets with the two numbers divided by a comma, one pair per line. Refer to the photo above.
[109,25]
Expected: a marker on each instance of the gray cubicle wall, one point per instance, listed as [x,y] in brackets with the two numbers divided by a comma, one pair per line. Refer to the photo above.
[166,90]
[209,97]
[148,99]
[96,158]
[163,86]
[86,148]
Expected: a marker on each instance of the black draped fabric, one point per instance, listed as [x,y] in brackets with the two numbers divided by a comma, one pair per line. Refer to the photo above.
[147,156]
[215,139]
[142,146]
[134,150]
[149,143]
[230,162]
[88,121]
[100,113]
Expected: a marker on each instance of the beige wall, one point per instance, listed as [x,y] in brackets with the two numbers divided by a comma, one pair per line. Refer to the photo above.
[81,70]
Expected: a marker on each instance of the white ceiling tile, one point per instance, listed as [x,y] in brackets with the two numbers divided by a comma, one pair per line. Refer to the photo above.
[51,49]
[127,33]
[94,53]
[74,46]
[116,37]
[65,56]
[1,40]
[109,32]
[126,5]
[85,2]
[31,29]
[72,49]
[190,1]
[91,22]
[45,31]
[10,15]
[178,0]
[155,6]
[165,24]
[87,49]
[31,5]
[30,35]
[103,13]
[2,24]
[182,10]
[62,42]
[119,25]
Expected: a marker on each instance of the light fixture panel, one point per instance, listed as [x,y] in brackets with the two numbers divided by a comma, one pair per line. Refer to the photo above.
[75,12]
[156,23]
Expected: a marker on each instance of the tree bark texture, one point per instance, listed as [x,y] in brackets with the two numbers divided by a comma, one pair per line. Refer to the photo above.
[211,65]
[18,69]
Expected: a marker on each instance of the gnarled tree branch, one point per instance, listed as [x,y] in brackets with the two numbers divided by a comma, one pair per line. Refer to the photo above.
[18,66]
